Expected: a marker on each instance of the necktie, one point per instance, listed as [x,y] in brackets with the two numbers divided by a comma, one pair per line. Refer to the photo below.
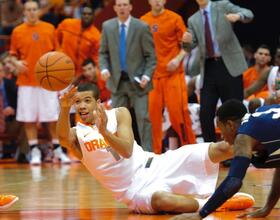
[2,117]
[123,48]
[208,38]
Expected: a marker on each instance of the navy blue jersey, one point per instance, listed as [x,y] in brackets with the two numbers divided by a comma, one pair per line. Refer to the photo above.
[264,126]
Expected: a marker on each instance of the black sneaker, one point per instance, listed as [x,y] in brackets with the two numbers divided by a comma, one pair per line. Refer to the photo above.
[22,158]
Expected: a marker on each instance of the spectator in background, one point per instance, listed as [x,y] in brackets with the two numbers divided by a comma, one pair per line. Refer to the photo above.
[79,38]
[270,79]
[262,66]
[13,128]
[249,54]
[221,57]
[127,61]
[29,41]
[11,15]
[93,75]
[169,87]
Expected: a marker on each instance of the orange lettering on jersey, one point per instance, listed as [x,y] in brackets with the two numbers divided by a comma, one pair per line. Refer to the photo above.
[102,143]
[88,146]
[96,144]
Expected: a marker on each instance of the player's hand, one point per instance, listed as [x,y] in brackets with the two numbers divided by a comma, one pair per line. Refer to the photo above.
[232,17]
[21,66]
[187,37]
[66,99]
[100,118]
[144,82]
[187,216]
[105,75]
[259,213]
[172,65]
[8,111]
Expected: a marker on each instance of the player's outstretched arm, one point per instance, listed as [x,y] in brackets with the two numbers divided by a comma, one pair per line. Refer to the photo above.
[272,199]
[66,135]
[122,141]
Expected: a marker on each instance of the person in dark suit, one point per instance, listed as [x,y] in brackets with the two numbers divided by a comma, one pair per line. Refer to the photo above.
[13,128]
[222,60]
[127,61]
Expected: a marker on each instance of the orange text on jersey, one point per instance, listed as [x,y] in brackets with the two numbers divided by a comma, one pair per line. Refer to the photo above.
[96,144]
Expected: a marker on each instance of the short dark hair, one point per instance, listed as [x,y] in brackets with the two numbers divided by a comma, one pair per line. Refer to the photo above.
[88,61]
[264,46]
[231,109]
[83,87]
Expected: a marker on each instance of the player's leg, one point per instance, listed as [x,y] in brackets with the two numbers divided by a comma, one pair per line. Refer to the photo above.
[173,203]
[220,151]
[48,112]
[27,106]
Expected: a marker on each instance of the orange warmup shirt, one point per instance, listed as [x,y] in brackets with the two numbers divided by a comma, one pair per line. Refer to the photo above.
[169,89]
[249,77]
[29,43]
[77,43]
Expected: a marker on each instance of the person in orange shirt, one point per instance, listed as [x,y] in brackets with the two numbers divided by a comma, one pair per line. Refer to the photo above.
[29,41]
[262,59]
[79,38]
[169,87]
[92,74]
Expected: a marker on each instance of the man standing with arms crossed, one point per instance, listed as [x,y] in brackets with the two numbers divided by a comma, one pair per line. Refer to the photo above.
[169,87]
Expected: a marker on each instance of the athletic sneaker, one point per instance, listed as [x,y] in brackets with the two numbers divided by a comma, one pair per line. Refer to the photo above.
[6,201]
[239,201]
[35,156]
[61,156]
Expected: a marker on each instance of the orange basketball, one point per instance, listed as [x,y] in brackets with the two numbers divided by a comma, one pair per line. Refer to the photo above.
[54,71]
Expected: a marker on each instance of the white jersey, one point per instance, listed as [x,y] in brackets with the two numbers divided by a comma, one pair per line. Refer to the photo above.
[271,80]
[112,170]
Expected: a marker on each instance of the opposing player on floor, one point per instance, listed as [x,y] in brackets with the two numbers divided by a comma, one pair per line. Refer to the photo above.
[255,138]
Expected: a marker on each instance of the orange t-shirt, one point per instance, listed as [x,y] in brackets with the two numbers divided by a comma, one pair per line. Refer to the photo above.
[249,77]
[77,43]
[29,43]
[167,29]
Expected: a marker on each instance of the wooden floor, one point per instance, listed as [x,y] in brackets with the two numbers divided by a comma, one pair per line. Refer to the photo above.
[55,192]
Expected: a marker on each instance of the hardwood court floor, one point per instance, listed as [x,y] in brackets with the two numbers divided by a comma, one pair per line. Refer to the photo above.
[55,192]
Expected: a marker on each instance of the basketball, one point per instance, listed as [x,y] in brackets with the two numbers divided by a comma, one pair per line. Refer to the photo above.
[54,71]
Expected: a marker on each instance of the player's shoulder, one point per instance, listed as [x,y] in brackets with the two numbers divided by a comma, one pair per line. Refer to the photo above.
[45,24]
[121,112]
[69,21]
[172,14]
[146,17]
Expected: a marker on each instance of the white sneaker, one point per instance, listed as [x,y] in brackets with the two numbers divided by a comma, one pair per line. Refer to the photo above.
[60,155]
[35,156]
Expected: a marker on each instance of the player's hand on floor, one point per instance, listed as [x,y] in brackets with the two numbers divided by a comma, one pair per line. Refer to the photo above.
[187,216]
[66,99]
[259,213]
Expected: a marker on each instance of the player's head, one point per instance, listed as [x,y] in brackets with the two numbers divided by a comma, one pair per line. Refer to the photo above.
[229,117]
[87,15]
[85,101]
[157,5]
[123,9]
[262,55]
[89,70]
[31,12]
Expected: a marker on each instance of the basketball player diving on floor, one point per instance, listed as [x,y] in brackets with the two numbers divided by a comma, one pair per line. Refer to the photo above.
[256,139]
[176,181]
